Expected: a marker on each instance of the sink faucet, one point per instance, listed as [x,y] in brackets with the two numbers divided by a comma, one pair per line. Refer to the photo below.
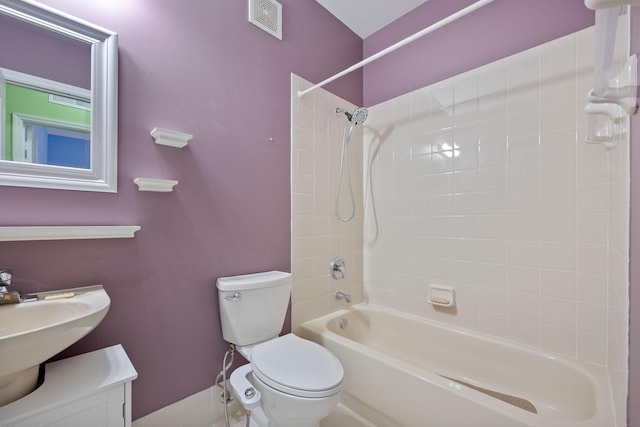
[8,296]
[5,279]
[343,296]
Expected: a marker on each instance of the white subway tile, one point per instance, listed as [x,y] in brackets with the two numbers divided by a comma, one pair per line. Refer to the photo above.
[558,340]
[524,306]
[465,249]
[492,300]
[558,283]
[466,181]
[524,280]
[558,71]
[524,227]
[524,331]
[493,227]
[592,318]
[523,81]
[493,203]
[523,124]
[492,276]
[592,198]
[524,254]
[558,228]
[591,288]
[558,312]
[523,176]
[591,228]
[492,323]
[558,200]
[493,154]
[592,258]
[592,348]
[524,202]
[558,256]
[492,251]
[559,116]
[466,273]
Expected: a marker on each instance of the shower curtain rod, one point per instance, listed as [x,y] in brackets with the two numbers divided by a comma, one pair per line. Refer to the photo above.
[401,43]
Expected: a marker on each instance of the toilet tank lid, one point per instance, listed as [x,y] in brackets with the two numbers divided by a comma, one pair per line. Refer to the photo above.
[253,281]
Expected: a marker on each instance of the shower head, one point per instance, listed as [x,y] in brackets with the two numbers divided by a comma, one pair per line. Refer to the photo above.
[357,117]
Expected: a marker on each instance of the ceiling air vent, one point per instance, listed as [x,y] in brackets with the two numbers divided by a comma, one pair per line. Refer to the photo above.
[267,14]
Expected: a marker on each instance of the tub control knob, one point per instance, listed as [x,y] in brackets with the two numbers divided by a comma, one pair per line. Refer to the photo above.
[338,268]
[250,392]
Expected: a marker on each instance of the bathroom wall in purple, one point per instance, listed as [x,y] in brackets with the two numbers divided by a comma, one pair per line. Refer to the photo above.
[197,67]
[495,31]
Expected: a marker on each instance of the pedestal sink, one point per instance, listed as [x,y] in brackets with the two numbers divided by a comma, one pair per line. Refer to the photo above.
[32,332]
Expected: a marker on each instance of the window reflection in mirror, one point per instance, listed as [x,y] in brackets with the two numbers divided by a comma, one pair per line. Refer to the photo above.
[44,123]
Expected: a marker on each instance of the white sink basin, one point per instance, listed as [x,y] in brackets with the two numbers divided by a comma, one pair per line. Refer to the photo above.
[32,332]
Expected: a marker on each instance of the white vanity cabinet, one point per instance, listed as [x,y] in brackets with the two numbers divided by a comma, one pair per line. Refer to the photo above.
[89,390]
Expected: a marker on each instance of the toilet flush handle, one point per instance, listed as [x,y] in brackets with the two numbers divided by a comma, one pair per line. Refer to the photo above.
[235,297]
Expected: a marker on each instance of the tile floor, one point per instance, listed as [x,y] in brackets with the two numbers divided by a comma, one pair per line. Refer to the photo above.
[341,417]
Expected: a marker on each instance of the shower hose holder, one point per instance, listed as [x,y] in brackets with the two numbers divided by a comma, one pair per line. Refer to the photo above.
[607,114]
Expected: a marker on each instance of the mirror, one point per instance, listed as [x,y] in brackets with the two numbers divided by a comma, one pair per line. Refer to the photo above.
[58,100]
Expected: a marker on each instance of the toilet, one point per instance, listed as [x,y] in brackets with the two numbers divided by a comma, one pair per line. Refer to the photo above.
[289,381]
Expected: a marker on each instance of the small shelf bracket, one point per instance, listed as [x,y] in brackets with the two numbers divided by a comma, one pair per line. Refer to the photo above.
[170,138]
[156,185]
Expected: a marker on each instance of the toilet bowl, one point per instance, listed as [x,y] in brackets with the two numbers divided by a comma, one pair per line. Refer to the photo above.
[289,381]
[294,382]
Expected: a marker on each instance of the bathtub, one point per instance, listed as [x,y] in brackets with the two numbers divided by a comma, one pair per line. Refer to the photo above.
[414,372]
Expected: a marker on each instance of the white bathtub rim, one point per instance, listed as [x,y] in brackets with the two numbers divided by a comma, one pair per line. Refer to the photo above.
[591,370]
[596,374]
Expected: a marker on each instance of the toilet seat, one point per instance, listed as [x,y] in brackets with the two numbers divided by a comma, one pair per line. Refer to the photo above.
[298,367]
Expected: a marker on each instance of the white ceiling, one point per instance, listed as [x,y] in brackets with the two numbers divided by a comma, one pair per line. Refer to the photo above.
[365,17]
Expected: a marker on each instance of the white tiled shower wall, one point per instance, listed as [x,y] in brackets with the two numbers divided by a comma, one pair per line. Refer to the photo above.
[483,182]
[317,134]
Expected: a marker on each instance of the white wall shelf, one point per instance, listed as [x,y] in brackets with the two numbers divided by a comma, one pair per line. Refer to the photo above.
[153,184]
[16,234]
[170,138]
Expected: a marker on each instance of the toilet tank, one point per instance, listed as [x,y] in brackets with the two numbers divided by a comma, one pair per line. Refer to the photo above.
[253,306]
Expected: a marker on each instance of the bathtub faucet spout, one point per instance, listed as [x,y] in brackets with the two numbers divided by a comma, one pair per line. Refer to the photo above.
[343,296]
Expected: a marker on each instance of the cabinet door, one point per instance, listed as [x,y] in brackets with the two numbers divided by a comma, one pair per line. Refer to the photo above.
[101,410]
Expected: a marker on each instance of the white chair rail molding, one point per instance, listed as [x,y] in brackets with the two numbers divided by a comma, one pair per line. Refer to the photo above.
[24,233]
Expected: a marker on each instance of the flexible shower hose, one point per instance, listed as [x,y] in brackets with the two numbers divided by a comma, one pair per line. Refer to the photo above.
[345,155]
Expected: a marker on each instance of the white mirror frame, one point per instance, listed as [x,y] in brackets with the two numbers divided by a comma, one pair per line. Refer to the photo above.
[102,176]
